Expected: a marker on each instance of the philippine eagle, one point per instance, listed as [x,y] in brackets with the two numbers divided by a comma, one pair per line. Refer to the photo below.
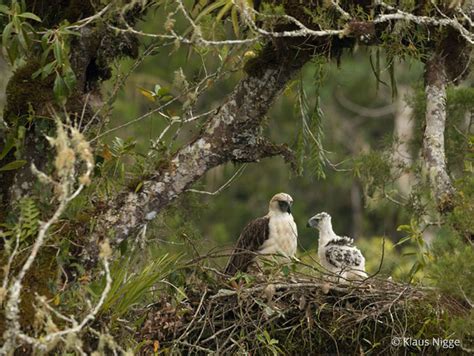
[337,253]
[272,234]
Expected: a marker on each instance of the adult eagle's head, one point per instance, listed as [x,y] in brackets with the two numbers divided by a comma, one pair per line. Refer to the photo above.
[280,203]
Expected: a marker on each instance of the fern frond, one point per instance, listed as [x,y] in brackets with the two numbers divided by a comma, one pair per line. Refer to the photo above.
[29,218]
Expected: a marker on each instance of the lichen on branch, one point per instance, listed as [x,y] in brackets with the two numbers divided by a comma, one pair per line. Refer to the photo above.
[434,158]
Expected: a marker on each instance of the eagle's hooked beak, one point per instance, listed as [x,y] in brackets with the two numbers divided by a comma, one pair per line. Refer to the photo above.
[285,206]
[312,222]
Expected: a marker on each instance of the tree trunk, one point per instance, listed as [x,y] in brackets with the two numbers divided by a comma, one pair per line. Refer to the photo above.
[433,140]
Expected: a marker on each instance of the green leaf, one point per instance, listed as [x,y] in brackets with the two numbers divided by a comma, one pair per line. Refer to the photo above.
[58,52]
[8,146]
[209,9]
[29,15]
[16,7]
[45,54]
[5,233]
[139,186]
[166,98]
[45,70]
[162,91]
[16,23]
[60,89]
[235,21]
[23,38]
[406,228]
[5,9]
[48,69]
[44,40]
[267,335]
[415,268]
[223,11]
[69,32]
[27,26]
[26,36]
[37,73]
[6,34]
[70,79]
[403,240]
[13,165]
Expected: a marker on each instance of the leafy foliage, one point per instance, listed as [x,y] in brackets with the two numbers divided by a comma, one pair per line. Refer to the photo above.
[27,225]
[310,136]
[18,38]
[374,170]
[133,278]
[57,42]
[18,34]
[452,266]
[222,9]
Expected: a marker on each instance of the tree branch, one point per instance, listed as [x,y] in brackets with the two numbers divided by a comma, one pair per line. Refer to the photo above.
[232,134]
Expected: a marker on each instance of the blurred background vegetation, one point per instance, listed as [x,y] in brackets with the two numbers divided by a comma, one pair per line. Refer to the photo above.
[352,176]
[351,182]
[357,137]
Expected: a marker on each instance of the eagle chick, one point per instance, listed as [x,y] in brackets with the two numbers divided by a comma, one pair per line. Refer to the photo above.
[337,253]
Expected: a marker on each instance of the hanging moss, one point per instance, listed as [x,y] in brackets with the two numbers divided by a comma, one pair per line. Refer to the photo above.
[25,93]
[54,12]
[457,56]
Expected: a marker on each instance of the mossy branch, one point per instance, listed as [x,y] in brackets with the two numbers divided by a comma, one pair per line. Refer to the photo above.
[232,134]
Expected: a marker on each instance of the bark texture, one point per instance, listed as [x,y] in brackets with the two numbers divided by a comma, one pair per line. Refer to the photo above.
[436,80]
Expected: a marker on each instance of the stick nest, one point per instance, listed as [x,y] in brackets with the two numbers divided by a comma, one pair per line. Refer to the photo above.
[296,315]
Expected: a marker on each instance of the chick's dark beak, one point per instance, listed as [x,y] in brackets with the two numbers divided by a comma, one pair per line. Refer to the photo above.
[313,222]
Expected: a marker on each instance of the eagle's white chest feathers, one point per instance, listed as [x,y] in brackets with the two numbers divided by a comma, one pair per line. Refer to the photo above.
[282,237]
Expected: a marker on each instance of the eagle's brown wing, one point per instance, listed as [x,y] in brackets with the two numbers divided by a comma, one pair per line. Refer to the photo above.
[251,239]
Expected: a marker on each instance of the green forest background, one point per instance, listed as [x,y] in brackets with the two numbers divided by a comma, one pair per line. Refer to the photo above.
[357,138]
[350,164]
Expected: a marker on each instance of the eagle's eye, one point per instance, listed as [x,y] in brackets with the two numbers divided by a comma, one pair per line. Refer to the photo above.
[284,206]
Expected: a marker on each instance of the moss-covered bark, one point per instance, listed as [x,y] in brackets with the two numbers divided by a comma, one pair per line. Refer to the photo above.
[30,101]
[37,282]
